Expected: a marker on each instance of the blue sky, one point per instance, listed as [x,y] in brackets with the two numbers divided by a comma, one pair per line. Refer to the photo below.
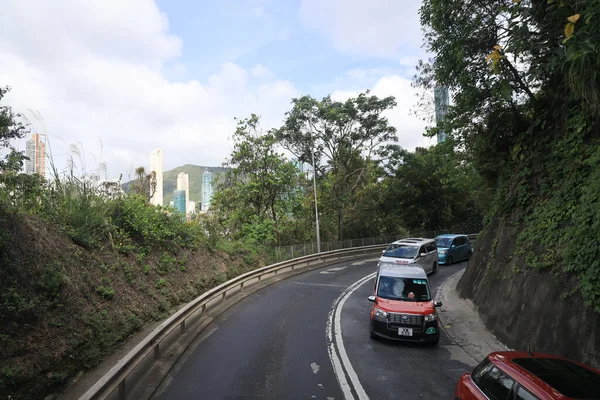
[142,74]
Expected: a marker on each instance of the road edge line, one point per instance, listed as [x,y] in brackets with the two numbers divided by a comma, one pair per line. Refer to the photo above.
[337,353]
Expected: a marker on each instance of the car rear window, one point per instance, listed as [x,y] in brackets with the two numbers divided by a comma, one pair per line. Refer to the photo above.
[397,250]
[565,376]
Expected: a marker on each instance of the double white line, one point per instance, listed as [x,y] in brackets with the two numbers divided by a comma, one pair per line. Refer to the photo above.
[342,367]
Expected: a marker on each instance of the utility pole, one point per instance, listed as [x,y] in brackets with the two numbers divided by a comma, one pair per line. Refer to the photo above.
[315,191]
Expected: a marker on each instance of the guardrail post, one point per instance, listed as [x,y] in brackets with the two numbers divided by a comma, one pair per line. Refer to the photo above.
[259,278]
[241,286]
[122,392]
[182,327]
[156,351]
[224,295]
[203,308]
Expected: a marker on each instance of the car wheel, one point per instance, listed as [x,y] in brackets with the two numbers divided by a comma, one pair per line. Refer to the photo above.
[469,255]
[435,268]
[372,334]
[449,260]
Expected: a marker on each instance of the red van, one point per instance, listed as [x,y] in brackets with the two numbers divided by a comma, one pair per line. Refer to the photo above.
[528,376]
[403,308]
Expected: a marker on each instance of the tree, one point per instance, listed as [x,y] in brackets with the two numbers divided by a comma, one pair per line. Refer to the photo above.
[10,129]
[526,96]
[433,189]
[261,189]
[145,185]
[344,137]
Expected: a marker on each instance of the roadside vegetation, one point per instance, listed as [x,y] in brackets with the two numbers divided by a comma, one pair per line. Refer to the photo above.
[526,109]
[84,266]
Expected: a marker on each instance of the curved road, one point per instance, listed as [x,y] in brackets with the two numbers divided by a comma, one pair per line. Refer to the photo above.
[307,338]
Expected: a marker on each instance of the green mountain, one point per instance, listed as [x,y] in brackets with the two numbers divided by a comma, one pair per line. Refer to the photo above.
[194,172]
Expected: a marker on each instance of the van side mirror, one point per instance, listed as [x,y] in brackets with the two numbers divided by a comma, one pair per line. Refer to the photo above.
[372,299]
[437,303]
[453,245]
[423,255]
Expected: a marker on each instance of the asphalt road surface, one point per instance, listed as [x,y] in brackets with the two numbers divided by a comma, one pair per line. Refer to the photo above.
[307,337]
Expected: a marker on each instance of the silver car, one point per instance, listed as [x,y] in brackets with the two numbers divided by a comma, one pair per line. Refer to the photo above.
[412,251]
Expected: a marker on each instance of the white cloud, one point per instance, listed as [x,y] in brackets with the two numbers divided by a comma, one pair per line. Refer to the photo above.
[381,28]
[410,129]
[97,69]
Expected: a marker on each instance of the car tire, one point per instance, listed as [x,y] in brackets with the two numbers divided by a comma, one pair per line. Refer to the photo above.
[435,268]
[436,341]
[469,255]
[449,260]
[372,334]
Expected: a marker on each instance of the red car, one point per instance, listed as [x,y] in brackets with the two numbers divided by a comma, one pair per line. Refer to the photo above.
[513,375]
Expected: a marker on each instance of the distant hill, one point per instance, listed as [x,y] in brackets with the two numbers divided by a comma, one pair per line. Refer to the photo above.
[195,173]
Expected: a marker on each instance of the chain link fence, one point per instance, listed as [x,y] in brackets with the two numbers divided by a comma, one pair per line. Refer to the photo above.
[283,253]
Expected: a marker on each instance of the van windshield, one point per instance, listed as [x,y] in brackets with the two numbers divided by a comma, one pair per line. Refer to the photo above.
[401,251]
[406,289]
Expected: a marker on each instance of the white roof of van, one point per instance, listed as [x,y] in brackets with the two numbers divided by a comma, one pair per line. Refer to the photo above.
[403,271]
[413,241]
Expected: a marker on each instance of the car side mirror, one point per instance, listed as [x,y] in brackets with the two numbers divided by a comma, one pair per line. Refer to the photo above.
[437,303]
[382,252]
[372,299]
[423,254]
[453,245]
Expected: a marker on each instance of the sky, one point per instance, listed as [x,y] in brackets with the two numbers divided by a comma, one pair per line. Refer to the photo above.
[120,78]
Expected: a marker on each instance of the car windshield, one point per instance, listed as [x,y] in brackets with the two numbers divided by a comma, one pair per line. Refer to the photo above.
[401,251]
[443,241]
[406,289]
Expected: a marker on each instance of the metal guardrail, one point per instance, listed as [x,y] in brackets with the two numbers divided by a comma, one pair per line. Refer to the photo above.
[116,377]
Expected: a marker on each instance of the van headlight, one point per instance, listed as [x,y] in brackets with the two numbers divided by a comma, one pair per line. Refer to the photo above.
[430,317]
[380,313]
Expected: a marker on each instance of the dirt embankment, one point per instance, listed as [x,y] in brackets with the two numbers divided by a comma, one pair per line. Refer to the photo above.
[64,308]
[525,307]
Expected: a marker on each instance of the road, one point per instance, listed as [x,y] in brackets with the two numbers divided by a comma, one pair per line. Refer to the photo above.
[275,345]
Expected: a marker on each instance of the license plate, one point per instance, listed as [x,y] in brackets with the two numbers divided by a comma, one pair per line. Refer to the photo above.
[405,332]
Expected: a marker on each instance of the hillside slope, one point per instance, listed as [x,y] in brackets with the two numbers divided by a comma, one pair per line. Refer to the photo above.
[64,308]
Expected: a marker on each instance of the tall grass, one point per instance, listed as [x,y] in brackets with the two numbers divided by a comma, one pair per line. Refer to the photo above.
[75,204]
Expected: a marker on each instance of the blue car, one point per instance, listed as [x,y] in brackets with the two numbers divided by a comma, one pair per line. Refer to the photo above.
[452,248]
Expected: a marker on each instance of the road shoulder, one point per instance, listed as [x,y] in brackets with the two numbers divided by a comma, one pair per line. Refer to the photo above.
[461,322]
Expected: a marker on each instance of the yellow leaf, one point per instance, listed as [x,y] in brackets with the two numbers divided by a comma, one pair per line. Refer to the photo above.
[497,47]
[569,29]
[516,1]
[574,18]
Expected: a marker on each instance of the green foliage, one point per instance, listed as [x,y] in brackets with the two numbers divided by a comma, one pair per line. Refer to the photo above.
[434,189]
[51,282]
[343,138]
[15,306]
[526,109]
[10,129]
[160,283]
[105,290]
[255,198]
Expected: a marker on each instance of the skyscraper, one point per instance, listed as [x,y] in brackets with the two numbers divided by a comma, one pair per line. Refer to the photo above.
[36,152]
[179,201]
[156,165]
[183,183]
[441,99]
[207,189]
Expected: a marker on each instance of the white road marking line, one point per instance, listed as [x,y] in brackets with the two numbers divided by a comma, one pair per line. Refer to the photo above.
[318,284]
[341,359]
[315,367]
